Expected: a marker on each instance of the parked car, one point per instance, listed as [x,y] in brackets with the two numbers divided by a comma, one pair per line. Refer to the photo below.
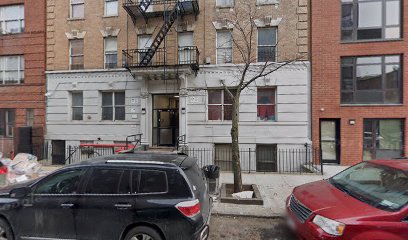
[366,201]
[126,197]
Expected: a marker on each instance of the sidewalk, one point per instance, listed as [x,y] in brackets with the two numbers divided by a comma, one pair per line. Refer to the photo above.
[274,188]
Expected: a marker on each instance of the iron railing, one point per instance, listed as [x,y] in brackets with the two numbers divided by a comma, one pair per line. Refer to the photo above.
[290,160]
[274,160]
[189,55]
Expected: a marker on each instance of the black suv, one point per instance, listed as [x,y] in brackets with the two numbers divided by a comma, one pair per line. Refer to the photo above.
[145,196]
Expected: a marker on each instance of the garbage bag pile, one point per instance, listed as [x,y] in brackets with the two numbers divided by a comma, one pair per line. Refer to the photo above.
[23,167]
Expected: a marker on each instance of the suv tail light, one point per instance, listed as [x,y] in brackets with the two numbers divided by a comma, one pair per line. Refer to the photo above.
[189,208]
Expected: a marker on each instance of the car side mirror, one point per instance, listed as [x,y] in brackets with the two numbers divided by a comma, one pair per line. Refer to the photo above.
[19,192]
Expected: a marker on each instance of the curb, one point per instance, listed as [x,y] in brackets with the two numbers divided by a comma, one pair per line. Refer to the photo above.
[280,217]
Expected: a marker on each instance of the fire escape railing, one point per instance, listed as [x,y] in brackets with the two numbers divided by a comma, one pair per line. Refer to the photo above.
[187,55]
[146,57]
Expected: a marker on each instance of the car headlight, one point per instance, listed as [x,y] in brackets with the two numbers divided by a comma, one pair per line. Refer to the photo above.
[329,226]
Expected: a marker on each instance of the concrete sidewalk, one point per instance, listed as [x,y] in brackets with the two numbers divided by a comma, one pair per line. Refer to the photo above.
[274,188]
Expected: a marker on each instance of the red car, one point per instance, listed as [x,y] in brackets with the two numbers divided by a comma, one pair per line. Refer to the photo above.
[368,201]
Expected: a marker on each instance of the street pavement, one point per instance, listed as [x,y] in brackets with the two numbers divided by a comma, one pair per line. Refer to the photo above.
[237,228]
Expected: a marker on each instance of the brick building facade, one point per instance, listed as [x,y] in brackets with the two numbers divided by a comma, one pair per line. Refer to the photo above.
[359,87]
[22,77]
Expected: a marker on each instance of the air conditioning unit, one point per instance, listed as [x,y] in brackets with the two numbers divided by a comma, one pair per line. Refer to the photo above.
[183,26]
[208,60]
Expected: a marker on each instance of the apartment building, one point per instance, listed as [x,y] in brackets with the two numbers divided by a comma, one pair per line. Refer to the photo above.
[118,68]
[359,104]
[22,78]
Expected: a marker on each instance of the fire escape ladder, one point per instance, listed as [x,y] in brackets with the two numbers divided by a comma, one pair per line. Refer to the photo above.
[143,6]
[168,23]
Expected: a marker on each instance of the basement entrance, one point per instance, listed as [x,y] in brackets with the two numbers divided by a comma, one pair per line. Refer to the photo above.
[165,120]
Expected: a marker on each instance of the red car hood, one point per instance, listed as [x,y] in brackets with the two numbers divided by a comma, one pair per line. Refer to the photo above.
[324,199]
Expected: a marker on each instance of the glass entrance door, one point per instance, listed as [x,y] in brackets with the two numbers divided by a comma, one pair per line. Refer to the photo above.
[165,120]
[330,140]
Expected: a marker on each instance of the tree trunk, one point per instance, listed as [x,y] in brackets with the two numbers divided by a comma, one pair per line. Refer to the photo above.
[235,144]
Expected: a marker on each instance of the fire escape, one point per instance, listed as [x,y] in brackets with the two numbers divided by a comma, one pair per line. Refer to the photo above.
[155,56]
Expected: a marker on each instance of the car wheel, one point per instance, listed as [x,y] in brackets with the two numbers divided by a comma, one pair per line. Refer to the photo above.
[142,233]
[5,231]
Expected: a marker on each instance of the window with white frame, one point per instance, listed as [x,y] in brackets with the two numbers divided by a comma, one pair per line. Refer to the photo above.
[12,19]
[266,106]
[113,106]
[224,47]
[267,44]
[7,122]
[76,54]
[77,9]
[77,105]
[111,8]
[11,70]
[219,105]
[225,3]
[111,52]
[265,2]
[29,117]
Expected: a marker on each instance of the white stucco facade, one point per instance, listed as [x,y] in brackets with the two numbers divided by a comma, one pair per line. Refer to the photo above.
[291,127]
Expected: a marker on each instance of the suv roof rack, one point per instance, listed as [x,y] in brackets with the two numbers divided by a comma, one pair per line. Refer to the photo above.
[135,162]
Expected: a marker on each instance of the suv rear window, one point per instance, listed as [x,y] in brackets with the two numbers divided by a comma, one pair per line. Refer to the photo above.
[153,182]
[104,181]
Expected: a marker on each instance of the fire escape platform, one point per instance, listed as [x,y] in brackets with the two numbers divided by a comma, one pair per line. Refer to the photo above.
[158,7]
[162,73]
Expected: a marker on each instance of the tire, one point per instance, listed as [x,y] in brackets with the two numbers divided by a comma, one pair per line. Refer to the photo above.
[5,231]
[137,233]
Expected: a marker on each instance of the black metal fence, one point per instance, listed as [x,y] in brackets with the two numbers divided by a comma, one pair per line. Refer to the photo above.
[259,160]
[262,160]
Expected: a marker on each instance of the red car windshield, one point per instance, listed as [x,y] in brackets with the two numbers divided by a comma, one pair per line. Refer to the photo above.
[380,186]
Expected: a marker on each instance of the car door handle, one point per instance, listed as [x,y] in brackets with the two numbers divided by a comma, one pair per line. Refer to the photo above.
[67,205]
[123,206]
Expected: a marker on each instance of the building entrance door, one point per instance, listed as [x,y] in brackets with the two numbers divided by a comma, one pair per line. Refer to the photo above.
[165,120]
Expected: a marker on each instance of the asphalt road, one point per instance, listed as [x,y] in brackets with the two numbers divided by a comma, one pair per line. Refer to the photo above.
[236,228]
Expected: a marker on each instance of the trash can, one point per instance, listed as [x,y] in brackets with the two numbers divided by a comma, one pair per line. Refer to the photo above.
[212,172]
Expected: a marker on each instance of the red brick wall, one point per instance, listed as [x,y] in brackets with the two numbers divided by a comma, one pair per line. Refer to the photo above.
[326,52]
[31,44]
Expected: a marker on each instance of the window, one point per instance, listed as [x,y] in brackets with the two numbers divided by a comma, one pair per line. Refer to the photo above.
[219,105]
[11,70]
[367,20]
[266,104]
[111,8]
[266,158]
[144,43]
[224,47]
[61,183]
[371,80]
[111,52]
[264,2]
[223,156]
[77,8]
[104,181]
[12,19]
[267,44]
[383,138]
[29,117]
[113,106]
[225,3]
[153,182]
[77,105]
[77,54]
[7,122]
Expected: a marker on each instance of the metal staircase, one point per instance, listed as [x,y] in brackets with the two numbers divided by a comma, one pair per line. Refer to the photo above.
[168,23]
[170,11]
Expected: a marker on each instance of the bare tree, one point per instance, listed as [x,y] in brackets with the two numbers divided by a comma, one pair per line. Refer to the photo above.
[243,27]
